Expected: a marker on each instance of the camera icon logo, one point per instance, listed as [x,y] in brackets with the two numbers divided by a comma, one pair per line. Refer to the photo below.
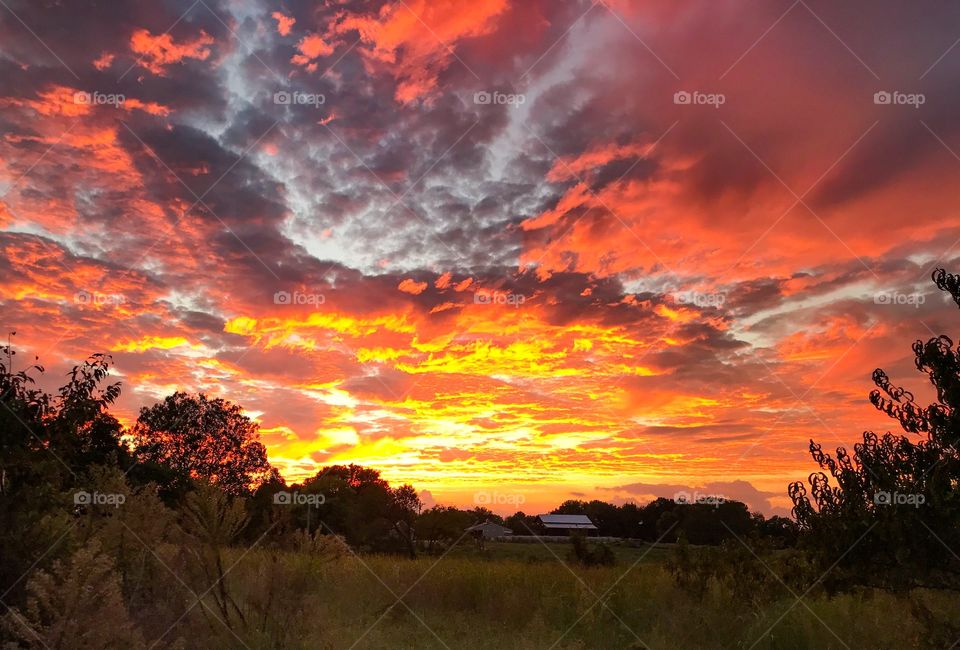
[882,97]
[81,97]
[881,498]
[283,98]
[82,498]
[682,497]
[281,298]
[682,97]
[482,297]
[482,97]
[282,498]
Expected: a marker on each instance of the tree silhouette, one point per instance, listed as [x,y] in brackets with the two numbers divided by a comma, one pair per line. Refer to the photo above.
[199,438]
[891,518]
[47,443]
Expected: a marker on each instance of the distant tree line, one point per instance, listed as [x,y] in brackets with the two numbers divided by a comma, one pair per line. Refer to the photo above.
[664,520]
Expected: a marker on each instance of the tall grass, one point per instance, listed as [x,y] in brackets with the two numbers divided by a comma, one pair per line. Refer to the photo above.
[310,602]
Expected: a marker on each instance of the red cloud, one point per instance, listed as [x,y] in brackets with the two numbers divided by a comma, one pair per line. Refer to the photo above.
[159,51]
[414,41]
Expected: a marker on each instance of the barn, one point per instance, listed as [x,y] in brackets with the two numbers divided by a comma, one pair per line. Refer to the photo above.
[489,530]
[566,524]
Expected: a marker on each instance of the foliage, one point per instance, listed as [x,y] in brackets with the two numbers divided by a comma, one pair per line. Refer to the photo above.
[78,606]
[355,502]
[891,517]
[213,519]
[46,443]
[200,438]
[440,526]
[523,524]
[587,554]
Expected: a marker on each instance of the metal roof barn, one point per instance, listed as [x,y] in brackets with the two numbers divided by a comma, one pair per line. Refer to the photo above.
[490,529]
[567,522]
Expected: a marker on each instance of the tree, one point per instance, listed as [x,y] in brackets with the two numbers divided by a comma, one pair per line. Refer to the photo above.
[442,526]
[891,518]
[651,515]
[405,507]
[781,531]
[193,437]
[358,504]
[523,524]
[47,442]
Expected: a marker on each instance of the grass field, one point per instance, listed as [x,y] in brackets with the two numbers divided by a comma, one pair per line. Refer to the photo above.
[626,554]
[516,596]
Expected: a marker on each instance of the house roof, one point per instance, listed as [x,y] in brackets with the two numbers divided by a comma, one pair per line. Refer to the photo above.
[567,521]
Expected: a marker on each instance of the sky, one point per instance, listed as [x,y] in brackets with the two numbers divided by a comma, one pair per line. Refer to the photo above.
[510,251]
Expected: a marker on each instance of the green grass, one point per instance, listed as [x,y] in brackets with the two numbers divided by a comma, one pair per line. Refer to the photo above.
[503,599]
[550,551]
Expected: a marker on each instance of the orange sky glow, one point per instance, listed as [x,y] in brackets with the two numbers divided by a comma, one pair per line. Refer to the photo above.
[512,252]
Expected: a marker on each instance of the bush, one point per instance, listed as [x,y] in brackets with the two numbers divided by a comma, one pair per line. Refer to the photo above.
[78,605]
[598,554]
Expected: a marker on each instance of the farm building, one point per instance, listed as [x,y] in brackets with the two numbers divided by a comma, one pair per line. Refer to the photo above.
[489,530]
[566,524]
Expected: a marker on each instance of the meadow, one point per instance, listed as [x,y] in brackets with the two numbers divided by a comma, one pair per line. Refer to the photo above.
[498,599]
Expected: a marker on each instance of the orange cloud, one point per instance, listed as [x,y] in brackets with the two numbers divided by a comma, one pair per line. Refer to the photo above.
[284,23]
[415,41]
[412,286]
[311,47]
[157,52]
[443,281]
[104,61]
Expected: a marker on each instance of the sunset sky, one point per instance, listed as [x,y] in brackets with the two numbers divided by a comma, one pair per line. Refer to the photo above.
[510,251]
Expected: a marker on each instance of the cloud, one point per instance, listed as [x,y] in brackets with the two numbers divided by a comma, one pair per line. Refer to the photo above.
[158,51]
[311,47]
[284,23]
[413,41]
[593,284]
[411,286]
[738,490]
